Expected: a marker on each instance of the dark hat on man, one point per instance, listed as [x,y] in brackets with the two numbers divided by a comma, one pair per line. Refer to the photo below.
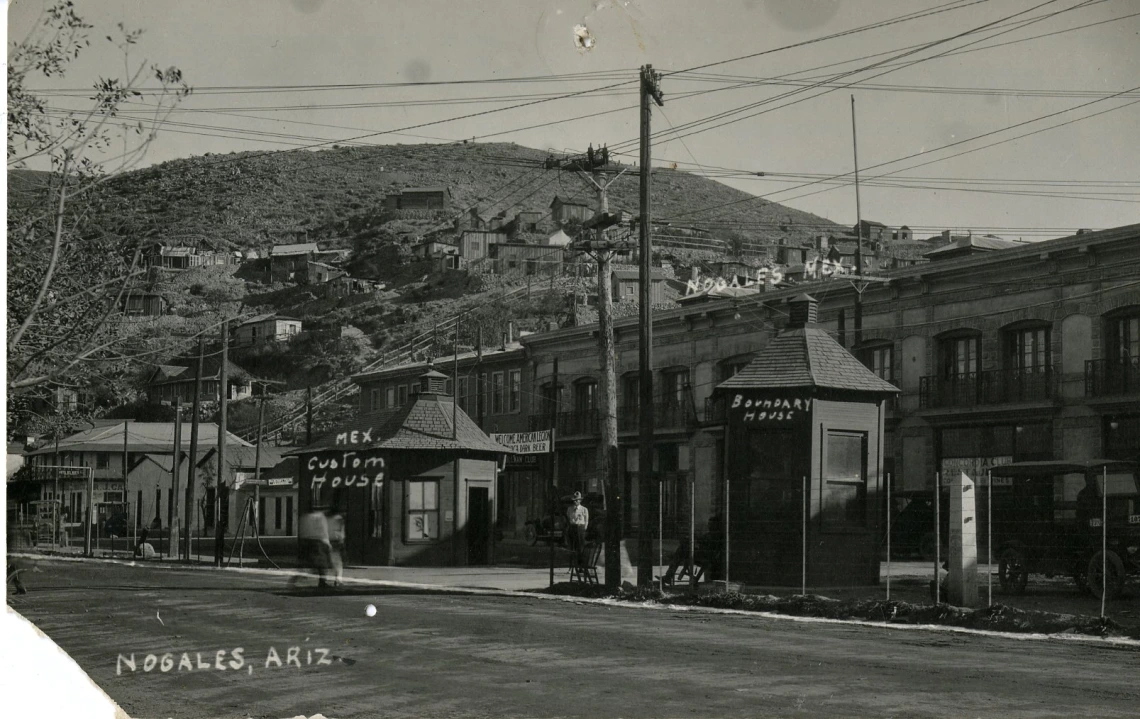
[576,495]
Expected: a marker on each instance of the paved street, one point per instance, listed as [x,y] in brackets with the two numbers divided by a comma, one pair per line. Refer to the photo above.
[441,654]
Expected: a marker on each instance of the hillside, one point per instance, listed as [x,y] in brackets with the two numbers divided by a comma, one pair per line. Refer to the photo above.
[249,200]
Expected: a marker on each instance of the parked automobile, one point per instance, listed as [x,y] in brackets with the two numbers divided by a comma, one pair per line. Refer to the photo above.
[912,526]
[1059,526]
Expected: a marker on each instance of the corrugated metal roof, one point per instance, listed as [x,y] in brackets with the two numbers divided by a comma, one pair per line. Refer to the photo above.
[141,437]
[297,249]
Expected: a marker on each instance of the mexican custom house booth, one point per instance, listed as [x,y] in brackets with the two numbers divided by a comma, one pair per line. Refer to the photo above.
[415,484]
[804,461]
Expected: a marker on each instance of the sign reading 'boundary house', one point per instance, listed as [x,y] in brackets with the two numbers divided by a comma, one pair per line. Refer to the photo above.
[525,442]
[779,409]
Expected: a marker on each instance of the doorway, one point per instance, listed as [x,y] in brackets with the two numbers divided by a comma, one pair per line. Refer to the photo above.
[289,516]
[478,525]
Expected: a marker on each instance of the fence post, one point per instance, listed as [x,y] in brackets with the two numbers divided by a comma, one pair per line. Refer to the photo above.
[937,536]
[889,508]
[989,538]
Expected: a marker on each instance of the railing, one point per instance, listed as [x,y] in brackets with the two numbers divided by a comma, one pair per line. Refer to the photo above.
[986,388]
[1108,377]
[666,415]
[578,423]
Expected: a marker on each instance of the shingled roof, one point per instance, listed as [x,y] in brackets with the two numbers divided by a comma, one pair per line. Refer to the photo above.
[805,356]
[423,424]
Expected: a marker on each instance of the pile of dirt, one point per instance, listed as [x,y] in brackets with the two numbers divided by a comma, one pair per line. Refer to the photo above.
[998,617]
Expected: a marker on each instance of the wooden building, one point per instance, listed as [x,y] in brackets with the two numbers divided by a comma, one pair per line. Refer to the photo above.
[416,484]
[805,453]
[419,198]
[266,328]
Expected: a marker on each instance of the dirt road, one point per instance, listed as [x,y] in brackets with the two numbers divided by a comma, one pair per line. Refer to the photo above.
[454,655]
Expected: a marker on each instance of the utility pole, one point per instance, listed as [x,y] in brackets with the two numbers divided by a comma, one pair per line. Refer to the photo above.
[257,466]
[602,250]
[223,391]
[647,488]
[192,464]
[172,512]
[858,233]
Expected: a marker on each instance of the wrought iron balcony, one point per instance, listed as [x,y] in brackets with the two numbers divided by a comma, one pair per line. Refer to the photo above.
[1109,377]
[576,423]
[666,415]
[986,388]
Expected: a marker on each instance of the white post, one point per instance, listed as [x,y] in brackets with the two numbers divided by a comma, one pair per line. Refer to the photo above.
[1103,539]
[989,538]
[726,531]
[889,508]
[660,535]
[937,536]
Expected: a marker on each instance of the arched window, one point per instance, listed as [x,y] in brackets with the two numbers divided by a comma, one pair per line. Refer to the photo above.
[959,354]
[879,357]
[1027,347]
[586,394]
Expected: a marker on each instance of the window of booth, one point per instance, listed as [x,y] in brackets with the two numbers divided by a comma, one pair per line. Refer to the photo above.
[462,396]
[843,502]
[422,519]
[389,397]
[402,395]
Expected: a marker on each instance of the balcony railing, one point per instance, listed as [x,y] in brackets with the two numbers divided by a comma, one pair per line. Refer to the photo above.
[1109,377]
[579,423]
[986,388]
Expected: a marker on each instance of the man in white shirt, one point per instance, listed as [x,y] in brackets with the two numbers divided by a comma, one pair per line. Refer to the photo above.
[577,519]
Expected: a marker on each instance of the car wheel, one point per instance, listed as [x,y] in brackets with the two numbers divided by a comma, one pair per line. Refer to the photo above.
[1106,575]
[1013,571]
[531,534]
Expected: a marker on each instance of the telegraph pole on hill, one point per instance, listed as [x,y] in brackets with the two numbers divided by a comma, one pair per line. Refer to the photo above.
[223,391]
[648,498]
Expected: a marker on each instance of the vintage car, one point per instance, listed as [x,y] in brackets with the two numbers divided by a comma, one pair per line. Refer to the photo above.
[1059,527]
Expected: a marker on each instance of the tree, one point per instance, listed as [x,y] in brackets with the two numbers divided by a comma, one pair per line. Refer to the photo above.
[67,273]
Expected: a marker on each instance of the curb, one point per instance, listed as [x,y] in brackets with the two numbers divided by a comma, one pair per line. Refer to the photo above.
[646,606]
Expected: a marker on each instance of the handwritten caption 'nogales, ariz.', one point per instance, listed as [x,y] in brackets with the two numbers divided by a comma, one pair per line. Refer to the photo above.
[174,662]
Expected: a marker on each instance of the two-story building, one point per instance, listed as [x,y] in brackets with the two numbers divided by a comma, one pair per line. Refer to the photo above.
[169,382]
[268,327]
[1025,352]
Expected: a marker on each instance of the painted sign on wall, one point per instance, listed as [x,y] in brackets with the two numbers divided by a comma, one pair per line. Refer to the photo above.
[976,468]
[344,469]
[525,442]
[769,409]
[765,276]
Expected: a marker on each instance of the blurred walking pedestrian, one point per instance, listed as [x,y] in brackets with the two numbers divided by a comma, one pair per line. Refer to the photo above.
[313,537]
[336,544]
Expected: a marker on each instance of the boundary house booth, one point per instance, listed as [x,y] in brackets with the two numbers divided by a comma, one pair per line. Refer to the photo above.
[805,408]
[416,484]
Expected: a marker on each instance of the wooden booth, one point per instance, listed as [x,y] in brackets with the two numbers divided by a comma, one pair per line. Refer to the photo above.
[415,484]
[804,458]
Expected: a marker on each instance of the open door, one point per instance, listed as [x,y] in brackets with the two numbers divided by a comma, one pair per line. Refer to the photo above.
[478,525]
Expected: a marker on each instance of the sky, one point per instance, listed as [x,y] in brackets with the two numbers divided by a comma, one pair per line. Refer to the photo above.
[240,56]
